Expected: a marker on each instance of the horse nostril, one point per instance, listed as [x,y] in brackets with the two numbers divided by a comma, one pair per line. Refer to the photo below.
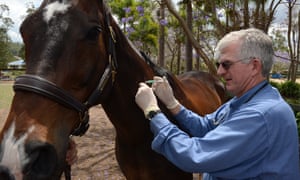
[41,162]
[5,174]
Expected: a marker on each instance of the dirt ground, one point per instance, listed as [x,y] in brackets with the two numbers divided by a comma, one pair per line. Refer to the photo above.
[96,158]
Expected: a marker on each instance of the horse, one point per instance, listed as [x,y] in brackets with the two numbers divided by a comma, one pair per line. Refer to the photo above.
[78,57]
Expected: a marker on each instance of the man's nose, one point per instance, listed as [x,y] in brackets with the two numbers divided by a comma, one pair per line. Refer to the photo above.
[220,71]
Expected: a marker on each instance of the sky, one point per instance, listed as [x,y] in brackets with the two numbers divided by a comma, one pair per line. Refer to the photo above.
[17,12]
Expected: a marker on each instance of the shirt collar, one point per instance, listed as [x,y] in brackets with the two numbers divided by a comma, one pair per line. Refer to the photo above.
[236,102]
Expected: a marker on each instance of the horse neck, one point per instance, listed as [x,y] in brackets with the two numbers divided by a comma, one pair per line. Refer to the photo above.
[120,105]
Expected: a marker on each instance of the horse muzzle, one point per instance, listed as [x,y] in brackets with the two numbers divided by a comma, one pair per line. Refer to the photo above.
[5,173]
[41,161]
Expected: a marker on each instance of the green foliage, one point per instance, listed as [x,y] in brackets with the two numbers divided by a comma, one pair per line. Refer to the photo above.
[279,40]
[5,54]
[290,89]
[136,20]
[276,85]
[5,24]
[15,48]
[8,51]
[21,52]
[291,93]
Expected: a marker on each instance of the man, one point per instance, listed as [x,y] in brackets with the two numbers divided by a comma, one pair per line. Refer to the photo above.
[252,136]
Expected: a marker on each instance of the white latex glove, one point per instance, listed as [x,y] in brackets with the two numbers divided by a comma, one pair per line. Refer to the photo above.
[146,99]
[164,92]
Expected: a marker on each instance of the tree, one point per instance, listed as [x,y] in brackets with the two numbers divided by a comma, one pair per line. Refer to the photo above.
[293,39]
[220,17]
[5,24]
[210,65]
[137,23]
[279,40]
[174,40]
[30,9]
[161,38]
[282,59]
[188,44]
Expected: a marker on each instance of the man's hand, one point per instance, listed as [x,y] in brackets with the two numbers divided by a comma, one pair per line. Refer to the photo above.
[146,99]
[164,92]
[71,156]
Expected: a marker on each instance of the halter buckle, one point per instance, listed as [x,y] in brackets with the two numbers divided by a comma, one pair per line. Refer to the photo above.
[83,125]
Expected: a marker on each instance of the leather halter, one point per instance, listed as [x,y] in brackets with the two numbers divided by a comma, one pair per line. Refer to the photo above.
[41,86]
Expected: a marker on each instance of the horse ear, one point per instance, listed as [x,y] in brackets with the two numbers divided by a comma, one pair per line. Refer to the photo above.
[104,6]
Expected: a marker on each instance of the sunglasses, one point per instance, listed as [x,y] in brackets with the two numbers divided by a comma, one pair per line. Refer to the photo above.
[227,64]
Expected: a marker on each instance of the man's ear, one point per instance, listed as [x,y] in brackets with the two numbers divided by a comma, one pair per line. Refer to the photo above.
[257,66]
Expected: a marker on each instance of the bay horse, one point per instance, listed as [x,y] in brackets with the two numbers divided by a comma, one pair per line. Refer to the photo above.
[77,57]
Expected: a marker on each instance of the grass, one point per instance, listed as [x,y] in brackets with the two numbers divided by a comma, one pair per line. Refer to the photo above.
[6,94]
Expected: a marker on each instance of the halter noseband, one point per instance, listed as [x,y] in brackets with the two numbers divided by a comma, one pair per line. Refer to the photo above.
[41,86]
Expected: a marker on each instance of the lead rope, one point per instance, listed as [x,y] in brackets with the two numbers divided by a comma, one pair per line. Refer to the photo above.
[67,172]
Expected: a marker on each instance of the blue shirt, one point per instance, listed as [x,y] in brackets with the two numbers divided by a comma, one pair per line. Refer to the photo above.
[251,137]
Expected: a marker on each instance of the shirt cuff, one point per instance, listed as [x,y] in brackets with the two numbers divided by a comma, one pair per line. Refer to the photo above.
[181,111]
[158,122]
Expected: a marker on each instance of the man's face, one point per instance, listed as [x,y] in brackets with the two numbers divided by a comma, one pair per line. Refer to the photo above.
[238,75]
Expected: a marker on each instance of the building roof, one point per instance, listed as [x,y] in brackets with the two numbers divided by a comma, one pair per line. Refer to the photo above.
[20,62]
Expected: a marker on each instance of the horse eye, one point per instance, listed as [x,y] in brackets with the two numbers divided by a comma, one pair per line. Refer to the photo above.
[93,33]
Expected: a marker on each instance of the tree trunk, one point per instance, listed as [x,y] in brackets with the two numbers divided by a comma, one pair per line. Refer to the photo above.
[188,44]
[291,50]
[161,44]
[210,65]
[178,58]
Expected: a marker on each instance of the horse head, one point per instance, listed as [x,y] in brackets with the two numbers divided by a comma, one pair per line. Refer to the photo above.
[69,67]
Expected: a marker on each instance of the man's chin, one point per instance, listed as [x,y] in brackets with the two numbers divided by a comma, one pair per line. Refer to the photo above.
[229,89]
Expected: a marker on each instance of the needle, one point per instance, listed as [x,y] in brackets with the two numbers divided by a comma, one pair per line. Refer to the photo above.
[152,81]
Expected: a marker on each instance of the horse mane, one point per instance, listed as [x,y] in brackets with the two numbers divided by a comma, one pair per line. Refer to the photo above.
[158,70]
